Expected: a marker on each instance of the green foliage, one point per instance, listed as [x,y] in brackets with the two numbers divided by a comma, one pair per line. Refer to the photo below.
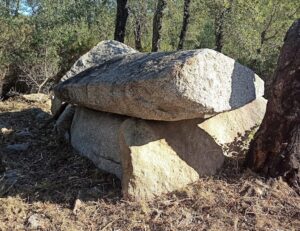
[256,32]
[44,40]
[41,39]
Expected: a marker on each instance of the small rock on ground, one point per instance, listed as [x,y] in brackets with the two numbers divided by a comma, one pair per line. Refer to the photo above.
[35,221]
[18,147]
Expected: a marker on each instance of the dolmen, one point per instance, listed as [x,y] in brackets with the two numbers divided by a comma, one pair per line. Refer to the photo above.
[158,121]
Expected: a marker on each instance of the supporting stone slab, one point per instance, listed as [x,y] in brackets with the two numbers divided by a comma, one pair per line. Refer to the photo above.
[155,157]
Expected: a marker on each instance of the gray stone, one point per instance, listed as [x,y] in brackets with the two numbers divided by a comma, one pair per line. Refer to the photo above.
[34,221]
[25,132]
[18,147]
[64,122]
[98,55]
[95,135]
[42,115]
[37,222]
[37,97]
[164,86]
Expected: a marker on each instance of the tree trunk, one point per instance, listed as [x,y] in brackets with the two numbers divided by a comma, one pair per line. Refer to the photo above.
[264,38]
[7,6]
[185,23]
[138,34]
[121,19]
[219,29]
[219,25]
[16,14]
[139,12]
[157,24]
[275,150]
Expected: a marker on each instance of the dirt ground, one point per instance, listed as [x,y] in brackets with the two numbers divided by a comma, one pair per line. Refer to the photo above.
[47,186]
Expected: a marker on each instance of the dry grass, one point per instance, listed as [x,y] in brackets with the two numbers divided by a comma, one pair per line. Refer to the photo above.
[63,191]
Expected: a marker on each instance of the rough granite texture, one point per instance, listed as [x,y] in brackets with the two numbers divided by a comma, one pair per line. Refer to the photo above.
[226,127]
[99,54]
[95,135]
[164,86]
[155,157]
[161,157]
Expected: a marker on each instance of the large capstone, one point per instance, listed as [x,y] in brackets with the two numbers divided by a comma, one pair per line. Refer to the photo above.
[164,86]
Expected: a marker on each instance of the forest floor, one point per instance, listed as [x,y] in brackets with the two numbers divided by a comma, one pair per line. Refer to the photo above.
[49,187]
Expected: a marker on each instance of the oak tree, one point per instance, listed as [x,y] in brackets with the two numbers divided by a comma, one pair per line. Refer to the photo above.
[275,150]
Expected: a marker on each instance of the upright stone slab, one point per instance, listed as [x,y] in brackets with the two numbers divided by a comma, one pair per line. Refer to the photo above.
[164,86]
[155,157]
[227,127]
[64,122]
[96,135]
[161,157]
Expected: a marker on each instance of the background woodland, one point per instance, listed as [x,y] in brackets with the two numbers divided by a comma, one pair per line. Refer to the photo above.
[41,39]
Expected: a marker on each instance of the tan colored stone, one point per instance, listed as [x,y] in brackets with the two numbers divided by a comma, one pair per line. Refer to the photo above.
[226,127]
[156,157]
[37,97]
[6,131]
[161,157]
[96,135]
